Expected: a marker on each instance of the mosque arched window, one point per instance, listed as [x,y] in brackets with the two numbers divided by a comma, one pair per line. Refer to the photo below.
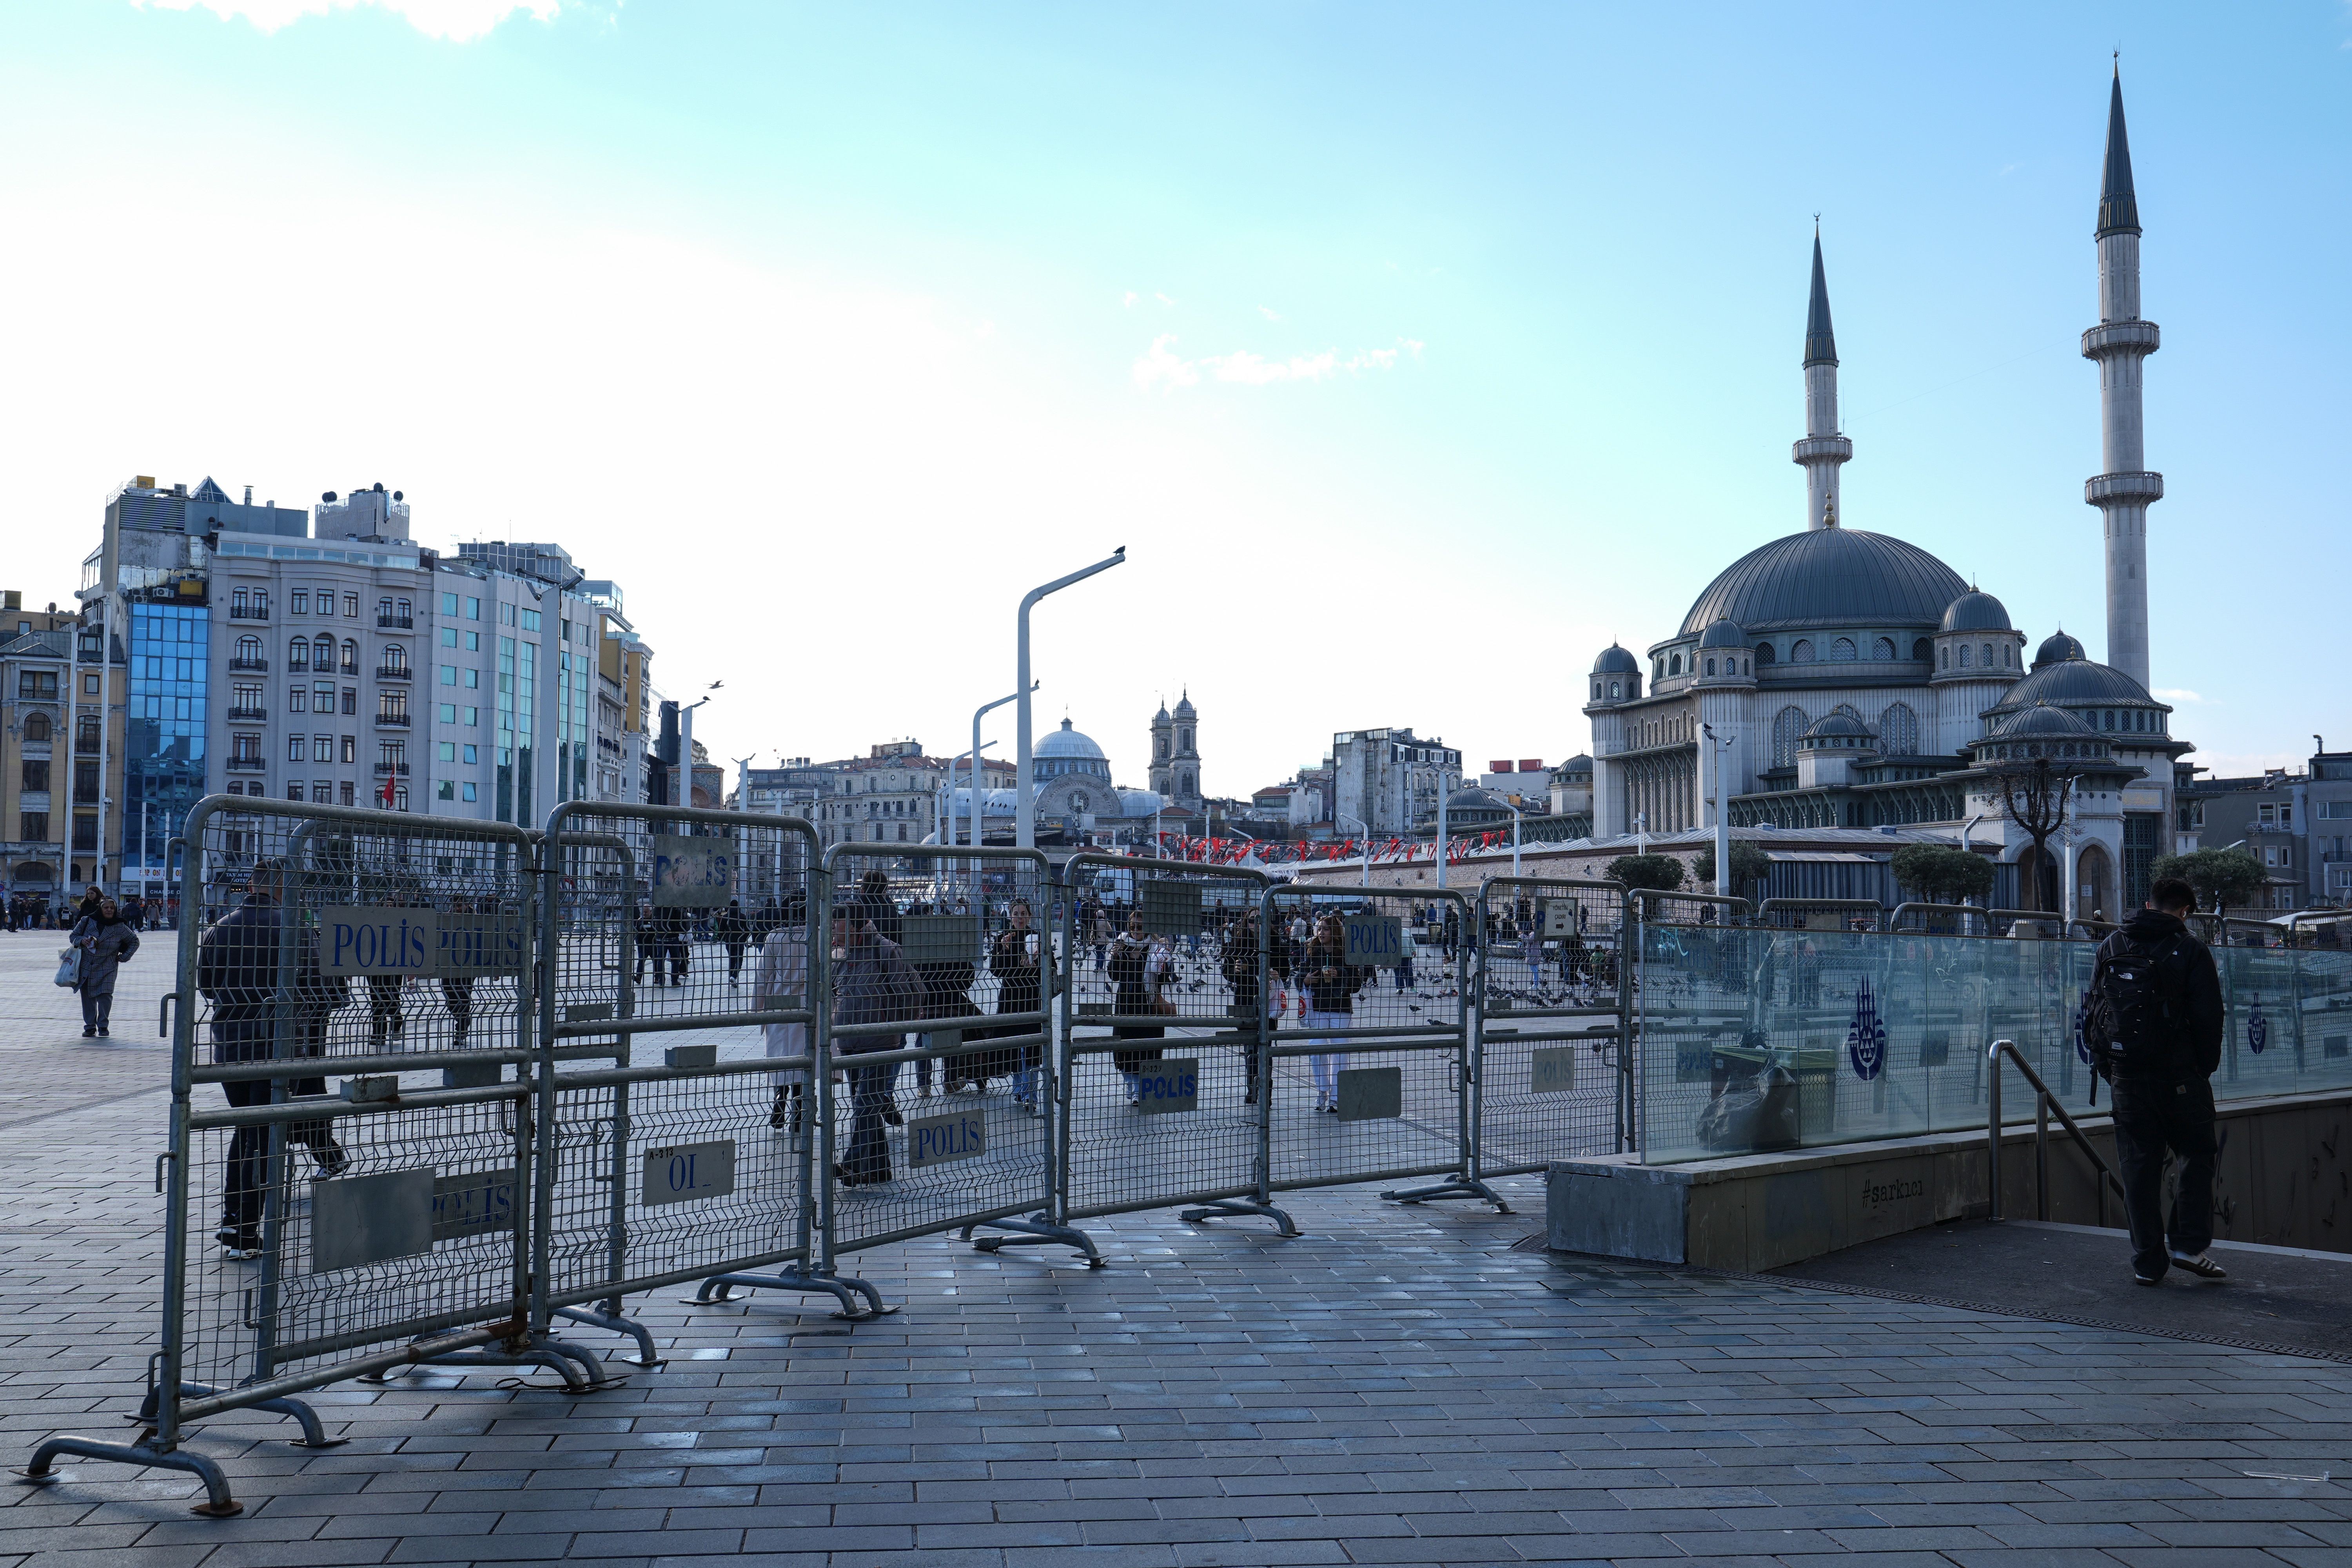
[1919,650]
[1710,666]
[1842,651]
[1674,665]
[1802,653]
[1964,656]
[1612,688]
[1883,648]
[1596,691]
[1988,656]
[1946,661]
[1764,654]
[1898,731]
[1787,726]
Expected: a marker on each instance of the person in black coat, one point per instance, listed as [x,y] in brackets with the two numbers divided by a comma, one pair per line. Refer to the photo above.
[237,970]
[2162,1063]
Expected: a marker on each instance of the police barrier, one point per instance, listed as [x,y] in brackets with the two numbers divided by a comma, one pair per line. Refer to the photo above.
[1163,952]
[1547,1052]
[1366,1073]
[358,1233]
[696,1168]
[951,950]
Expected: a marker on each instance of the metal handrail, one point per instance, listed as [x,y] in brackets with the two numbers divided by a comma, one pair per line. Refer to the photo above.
[2046,1103]
[1894,920]
[1747,909]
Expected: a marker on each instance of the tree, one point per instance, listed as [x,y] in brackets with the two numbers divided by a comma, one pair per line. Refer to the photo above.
[1943,873]
[1748,864]
[2221,877]
[2034,792]
[1663,872]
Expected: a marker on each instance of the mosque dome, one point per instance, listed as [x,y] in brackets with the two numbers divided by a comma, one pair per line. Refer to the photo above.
[1828,577]
[1840,731]
[2042,721]
[1976,612]
[2056,647]
[2074,681]
[1616,660]
[1723,634]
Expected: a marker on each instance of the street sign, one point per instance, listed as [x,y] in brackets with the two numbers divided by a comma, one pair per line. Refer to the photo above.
[1373,941]
[1168,1085]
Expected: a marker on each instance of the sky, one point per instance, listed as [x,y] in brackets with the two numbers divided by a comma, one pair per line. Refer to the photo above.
[1413,353]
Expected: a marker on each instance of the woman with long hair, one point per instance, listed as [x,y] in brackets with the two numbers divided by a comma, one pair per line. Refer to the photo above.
[1331,986]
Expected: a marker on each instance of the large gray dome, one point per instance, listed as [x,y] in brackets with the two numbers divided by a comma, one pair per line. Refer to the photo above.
[2071,681]
[1829,577]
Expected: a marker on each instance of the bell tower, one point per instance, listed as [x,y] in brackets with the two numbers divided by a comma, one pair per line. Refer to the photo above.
[1185,764]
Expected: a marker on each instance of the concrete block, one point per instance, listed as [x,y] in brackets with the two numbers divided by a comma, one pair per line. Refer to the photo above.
[1617,1210]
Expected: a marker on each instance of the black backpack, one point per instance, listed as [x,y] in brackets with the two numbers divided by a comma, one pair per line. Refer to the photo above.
[2136,1019]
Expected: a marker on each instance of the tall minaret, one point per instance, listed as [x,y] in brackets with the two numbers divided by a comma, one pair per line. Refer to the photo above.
[1822,449]
[2118,343]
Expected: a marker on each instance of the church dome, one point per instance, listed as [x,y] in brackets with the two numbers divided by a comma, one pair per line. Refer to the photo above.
[1829,577]
[2057,647]
[1723,634]
[1159,717]
[1616,660]
[1185,707]
[1976,612]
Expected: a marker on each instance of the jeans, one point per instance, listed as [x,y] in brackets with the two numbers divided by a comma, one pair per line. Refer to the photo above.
[96,1010]
[1328,1067]
[2150,1117]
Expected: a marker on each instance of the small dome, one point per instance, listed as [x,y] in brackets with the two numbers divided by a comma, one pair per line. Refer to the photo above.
[1472,797]
[1724,634]
[1139,801]
[1837,726]
[2056,648]
[2043,721]
[2075,680]
[1616,660]
[1068,742]
[1157,718]
[1976,612]
[1184,706]
[1579,763]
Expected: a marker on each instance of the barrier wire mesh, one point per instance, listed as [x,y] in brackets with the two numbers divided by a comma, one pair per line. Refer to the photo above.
[1549,1024]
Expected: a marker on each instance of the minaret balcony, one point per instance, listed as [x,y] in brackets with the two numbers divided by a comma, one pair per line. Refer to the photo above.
[2111,338]
[1822,449]
[2122,489]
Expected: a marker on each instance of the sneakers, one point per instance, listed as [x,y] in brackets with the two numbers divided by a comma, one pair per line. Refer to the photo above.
[2203,1266]
[332,1161]
[2139,1278]
[241,1241]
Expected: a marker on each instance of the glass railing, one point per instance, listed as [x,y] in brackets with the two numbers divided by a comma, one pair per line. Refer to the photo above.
[1753,1040]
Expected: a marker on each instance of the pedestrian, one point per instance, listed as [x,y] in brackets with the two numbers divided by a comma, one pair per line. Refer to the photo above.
[107,939]
[1331,987]
[1139,967]
[733,932]
[873,984]
[134,912]
[2154,1020]
[457,990]
[779,984]
[1249,1007]
[238,965]
[1013,958]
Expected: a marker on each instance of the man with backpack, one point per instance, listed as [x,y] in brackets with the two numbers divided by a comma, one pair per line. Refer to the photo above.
[2153,1023]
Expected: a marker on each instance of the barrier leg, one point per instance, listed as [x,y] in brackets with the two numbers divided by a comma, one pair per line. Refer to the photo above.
[1242,1208]
[1038,1230]
[314,1435]
[218,1503]
[1460,1186]
[578,1369]
[719,1289]
[613,1321]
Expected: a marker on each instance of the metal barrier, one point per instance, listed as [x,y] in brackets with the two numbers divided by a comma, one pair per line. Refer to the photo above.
[1168,952]
[1385,1071]
[1961,914]
[399,1233]
[1549,1070]
[932,942]
[695,1169]
[1843,908]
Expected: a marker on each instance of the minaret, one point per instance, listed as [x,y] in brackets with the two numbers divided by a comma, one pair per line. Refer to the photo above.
[2118,343]
[1822,449]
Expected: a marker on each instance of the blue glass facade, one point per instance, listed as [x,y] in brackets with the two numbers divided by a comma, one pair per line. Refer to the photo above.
[164,729]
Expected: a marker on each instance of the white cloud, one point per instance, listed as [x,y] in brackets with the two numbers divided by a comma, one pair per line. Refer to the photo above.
[457,21]
[1161,365]
[1269,312]
[1163,299]
[2175,694]
[1129,300]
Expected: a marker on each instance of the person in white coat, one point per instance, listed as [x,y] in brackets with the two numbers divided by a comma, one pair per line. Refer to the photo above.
[781,983]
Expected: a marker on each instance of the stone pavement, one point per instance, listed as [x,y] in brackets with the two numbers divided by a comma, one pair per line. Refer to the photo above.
[1397,1386]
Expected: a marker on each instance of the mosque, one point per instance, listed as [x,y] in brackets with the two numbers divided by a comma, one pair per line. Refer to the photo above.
[1848,679]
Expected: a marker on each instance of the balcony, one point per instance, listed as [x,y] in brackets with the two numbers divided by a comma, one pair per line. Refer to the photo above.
[349,667]
[237,765]
[248,715]
[84,745]
[396,623]
[392,720]
[393,672]
[257,666]
[248,611]
[392,769]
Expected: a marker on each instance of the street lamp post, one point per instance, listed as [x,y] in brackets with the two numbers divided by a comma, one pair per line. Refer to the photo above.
[1024,806]
[1517,818]
[972,769]
[1718,748]
[1366,830]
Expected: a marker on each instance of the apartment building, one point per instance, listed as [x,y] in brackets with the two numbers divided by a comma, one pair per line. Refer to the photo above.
[35,760]
[1388,780]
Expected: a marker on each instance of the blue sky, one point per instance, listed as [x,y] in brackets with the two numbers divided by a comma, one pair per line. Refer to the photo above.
[1413,352]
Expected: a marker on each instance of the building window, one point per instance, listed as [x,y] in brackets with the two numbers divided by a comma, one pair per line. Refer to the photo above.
[1614,689]
[1883,648]
[351,605]
[1710,666]
[468,792]
[36,727]
[298,654]
[1898,731]
[1988,656]
[1964,656]
[1841,651]
[351,657]
[351,748]
[1802,653]
[301,602]
[1787,726]
[293,791]
[298,700]
[352,700]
